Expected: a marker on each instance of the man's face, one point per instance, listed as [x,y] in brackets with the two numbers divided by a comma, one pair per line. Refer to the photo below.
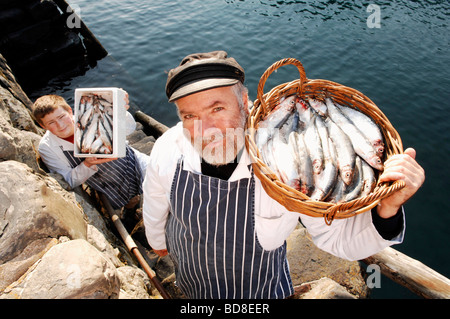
[214,123]
[59,122]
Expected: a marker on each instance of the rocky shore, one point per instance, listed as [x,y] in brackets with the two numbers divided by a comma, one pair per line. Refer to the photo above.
[58,242]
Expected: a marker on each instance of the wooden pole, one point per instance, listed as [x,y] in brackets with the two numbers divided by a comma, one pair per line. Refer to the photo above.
[151,126]
[132,247]
[411,274]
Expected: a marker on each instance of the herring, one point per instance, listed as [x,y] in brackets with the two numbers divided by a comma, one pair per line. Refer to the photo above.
[360,144]
[345,154]
[325,181]
[367,127]
[319,149]
[305,165]
[314,146]
[369,180]
[275,120]
[318,106]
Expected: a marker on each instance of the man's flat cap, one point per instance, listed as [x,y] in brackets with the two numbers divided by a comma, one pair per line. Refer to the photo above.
[202,71]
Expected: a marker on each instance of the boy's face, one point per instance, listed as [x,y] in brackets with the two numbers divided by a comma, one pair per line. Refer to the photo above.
[59,122]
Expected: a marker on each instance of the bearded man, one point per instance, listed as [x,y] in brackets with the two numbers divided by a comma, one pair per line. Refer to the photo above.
[205,207]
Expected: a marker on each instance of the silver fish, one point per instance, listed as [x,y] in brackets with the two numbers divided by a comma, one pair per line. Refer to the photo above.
[89,134]
[314,146]
[292,124]
[274,120]
[86,116]
[318,106]
[367,127]
[360,144]
[353,190]
[304,113]
[345,155]
[369,179]
[286,162]
[81,107]
[104,150]
[95,146]
[305,165]
[107,124]
[337,193]
[325,181]
[107,141]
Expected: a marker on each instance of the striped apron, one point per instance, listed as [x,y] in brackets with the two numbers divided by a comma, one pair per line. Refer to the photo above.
[211,237]
[120,180]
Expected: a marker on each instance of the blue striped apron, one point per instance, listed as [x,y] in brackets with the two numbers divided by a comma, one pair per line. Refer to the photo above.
[211,237]
[120,180]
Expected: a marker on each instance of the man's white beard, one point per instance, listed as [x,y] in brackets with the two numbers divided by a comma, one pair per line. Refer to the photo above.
[226,151]
[223,153]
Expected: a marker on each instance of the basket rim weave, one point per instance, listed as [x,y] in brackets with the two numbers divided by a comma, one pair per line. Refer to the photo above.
[289,197]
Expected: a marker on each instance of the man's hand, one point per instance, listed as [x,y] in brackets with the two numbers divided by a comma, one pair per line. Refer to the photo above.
[89,161]
[400,167]
[161,253]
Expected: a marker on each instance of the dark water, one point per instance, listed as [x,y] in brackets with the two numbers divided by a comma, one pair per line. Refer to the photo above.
[402,66]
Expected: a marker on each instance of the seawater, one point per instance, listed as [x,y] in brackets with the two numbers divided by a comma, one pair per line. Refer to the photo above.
[395,52]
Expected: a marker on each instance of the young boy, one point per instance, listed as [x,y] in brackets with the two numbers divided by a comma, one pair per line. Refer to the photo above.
[120,179]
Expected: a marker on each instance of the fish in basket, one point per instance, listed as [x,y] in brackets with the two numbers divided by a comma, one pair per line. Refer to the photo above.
[325,150]
[318,147]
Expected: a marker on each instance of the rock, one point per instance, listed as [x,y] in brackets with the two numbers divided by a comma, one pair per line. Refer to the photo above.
[324,288]
[135,283]
[145,145]
[98,240]
[140,141]
[12,270]
[34,207]
[74,269]
[8,81]
[16,142]
[54,243]
[308,263]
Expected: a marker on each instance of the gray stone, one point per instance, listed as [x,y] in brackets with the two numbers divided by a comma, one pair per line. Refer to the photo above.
[34,207]
[71,270]
[308,263]
[324,288]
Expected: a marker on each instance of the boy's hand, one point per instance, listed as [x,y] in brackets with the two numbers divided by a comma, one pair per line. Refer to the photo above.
[89,161]
[161,253]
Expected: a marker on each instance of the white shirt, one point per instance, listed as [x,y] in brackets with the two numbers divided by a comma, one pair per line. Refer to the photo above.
[351,238]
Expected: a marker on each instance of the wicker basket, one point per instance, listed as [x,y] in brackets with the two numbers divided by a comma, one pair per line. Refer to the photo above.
[289,197]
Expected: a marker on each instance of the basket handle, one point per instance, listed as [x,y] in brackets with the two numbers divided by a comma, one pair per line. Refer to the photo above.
[271,69]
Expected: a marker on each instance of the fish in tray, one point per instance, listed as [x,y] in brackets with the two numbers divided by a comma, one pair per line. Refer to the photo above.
[328,151]
[94,129]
